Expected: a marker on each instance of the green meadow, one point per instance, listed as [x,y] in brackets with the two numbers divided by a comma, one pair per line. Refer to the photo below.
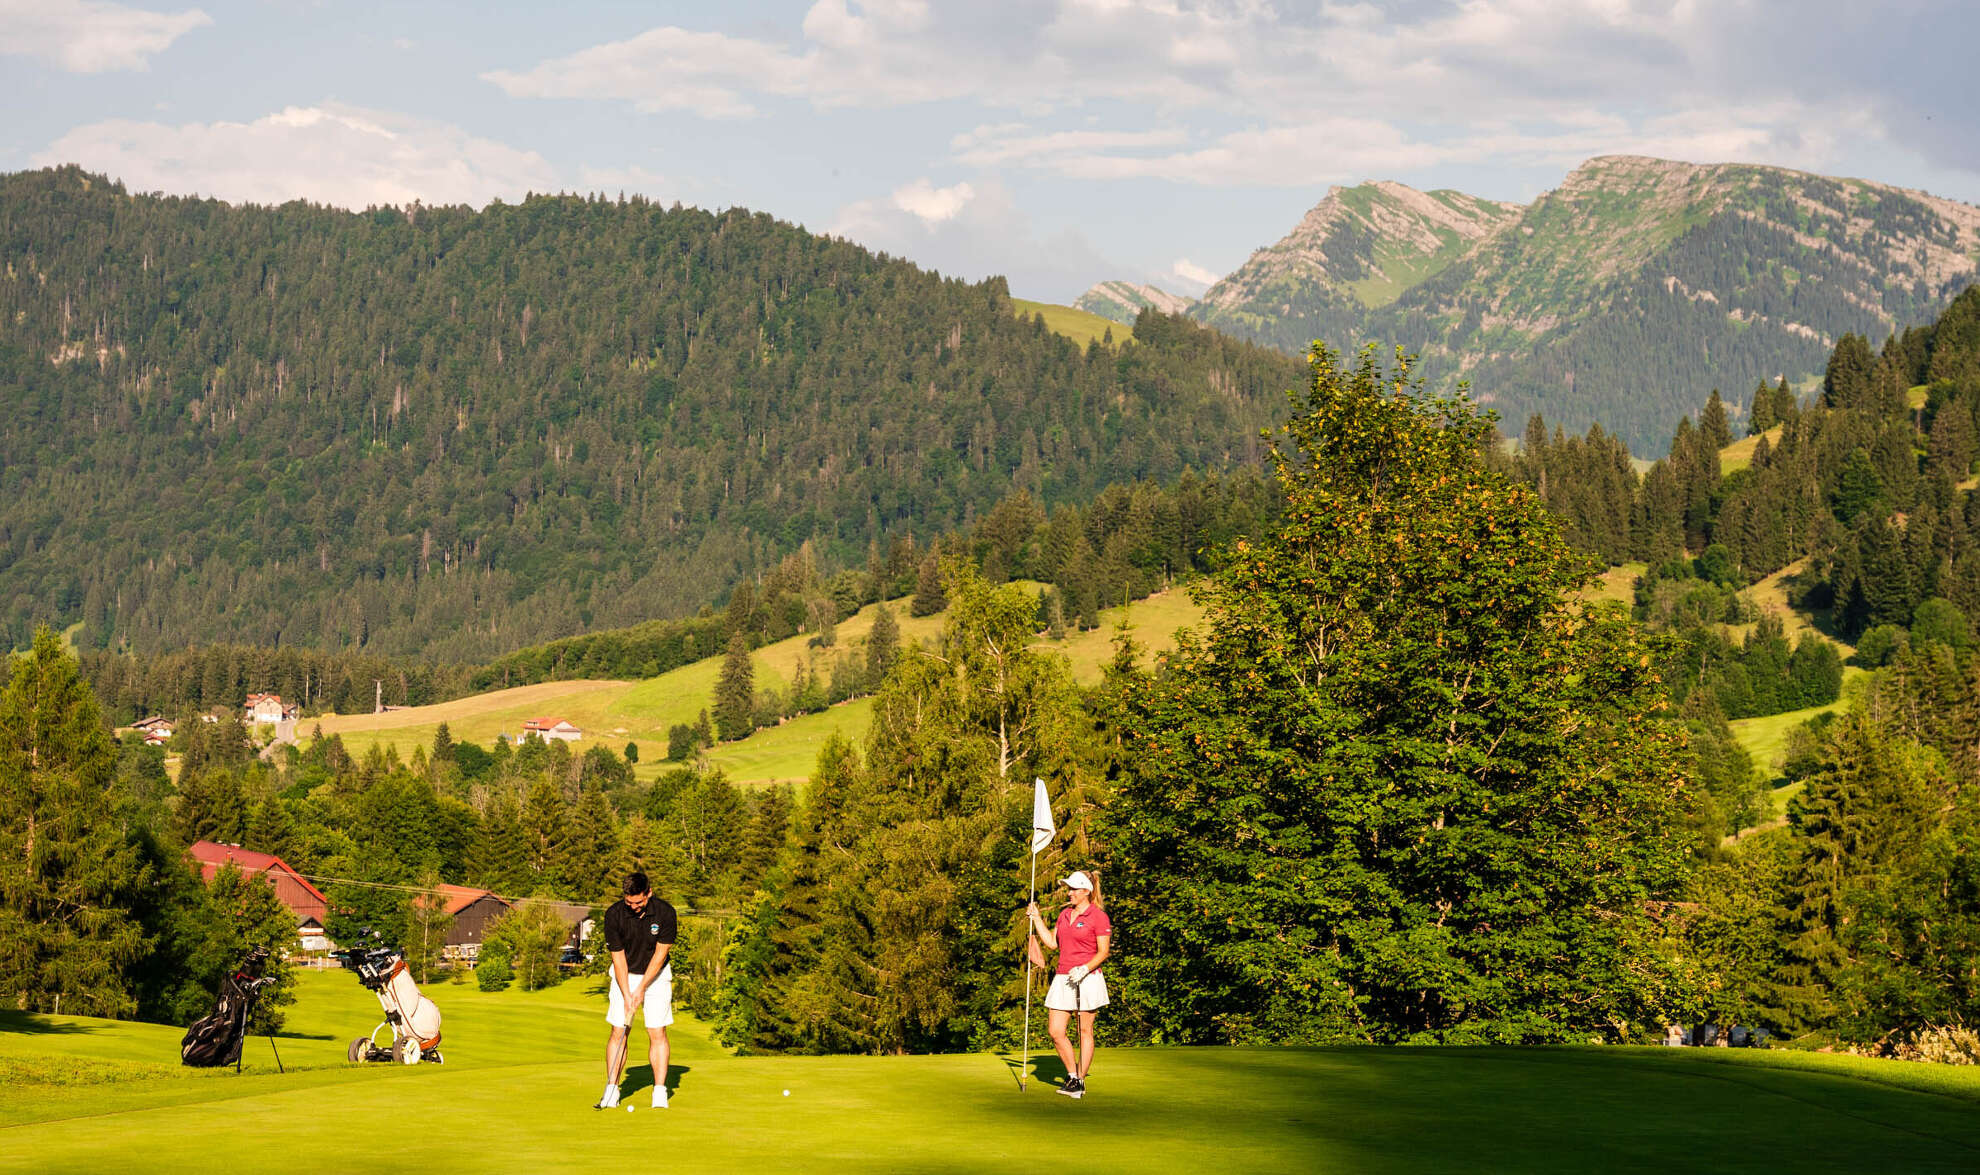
[1080,326]
[617,712]
[522,1069]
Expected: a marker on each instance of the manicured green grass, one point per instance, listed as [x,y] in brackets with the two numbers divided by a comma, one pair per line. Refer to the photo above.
[787,753]
[522,1070]
[1080,326]
[617,712]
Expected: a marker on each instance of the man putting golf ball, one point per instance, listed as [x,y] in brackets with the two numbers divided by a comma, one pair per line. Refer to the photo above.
[639,931]
[1082,937]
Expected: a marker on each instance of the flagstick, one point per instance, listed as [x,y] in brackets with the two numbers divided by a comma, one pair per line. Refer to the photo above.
[1025,1064]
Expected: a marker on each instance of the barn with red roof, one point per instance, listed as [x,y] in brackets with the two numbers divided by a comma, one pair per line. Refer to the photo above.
[303,899]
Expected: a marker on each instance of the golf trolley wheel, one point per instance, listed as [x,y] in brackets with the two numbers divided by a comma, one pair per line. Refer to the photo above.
[360,1051]
[405,1050]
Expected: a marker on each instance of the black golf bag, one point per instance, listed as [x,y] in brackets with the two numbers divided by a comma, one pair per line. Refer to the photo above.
[216,1039]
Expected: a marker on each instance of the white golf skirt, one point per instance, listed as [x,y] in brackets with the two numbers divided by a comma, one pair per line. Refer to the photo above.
[656,1003]
[1091,997]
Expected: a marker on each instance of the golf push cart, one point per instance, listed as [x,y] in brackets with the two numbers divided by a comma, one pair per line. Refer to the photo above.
[413,1019]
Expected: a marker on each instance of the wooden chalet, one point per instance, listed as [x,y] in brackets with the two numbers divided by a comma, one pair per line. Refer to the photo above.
[303,899]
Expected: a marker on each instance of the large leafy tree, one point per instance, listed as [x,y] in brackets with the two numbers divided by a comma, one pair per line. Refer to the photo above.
[68,872]
[1407,786]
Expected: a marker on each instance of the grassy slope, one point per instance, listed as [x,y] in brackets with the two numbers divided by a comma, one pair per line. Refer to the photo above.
[1739,454]
[523,1068]
[1617,584]
[618,712]
[1080,326]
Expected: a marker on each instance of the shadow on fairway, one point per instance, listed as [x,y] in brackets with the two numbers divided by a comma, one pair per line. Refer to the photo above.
[1044,1070]
[31,1023]
[640,1077]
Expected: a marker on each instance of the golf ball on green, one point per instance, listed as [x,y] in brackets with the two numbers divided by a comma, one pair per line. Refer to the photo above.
[787,1093]
[630,1109]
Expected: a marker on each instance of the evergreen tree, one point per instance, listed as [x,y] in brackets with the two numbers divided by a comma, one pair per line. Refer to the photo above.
[1760,417]
[735,693]
[1846,382]
[906,860]
[928,595]
[67,872]
[271,829]
[1713,428]
[882,646]
[590,856]
[1859,489]
[545,828]
[1868,805]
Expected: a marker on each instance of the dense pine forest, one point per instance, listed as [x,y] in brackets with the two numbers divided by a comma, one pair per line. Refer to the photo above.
[446,434]
[1130,540]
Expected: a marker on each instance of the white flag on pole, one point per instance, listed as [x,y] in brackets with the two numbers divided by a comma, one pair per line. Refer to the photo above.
[1042,827]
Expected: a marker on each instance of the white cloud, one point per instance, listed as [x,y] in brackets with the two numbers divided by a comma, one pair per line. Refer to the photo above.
[1190,274]
[91,36]
[931,203]
[980,232]
[332,154]
[634,179]
[1238,92]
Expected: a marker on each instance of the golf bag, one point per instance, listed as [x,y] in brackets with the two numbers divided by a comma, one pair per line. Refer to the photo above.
[413,1019]
[216,1039]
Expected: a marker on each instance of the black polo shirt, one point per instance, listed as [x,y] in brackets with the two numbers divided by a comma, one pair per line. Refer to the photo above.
[638,934]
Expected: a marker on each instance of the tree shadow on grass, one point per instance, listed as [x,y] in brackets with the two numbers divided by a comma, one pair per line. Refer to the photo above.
[33,1023]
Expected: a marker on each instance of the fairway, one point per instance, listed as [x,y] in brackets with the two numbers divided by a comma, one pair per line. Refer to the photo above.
[522,1069]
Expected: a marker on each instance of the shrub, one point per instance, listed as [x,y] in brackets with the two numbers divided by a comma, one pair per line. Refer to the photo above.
[493,971]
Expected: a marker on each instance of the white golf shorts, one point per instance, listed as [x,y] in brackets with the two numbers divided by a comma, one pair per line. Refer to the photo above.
[656,1003]
[1092,993]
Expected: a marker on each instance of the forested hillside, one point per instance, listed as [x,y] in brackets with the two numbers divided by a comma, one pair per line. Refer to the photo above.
[449,434]
[1865,491]
[1622,297]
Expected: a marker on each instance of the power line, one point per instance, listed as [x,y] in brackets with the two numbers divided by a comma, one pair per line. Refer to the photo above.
[504,898]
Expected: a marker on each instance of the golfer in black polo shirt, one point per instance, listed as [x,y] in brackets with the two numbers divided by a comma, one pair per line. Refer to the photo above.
[639,931]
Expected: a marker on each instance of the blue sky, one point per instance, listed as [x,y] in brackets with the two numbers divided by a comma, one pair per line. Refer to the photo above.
[1059,142]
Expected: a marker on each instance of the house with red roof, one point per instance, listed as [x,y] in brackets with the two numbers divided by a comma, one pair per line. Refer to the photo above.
[549,728]
[303,899]
[473,912]
[268,708]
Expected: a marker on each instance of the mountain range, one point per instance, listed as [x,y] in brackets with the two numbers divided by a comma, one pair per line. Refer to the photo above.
[1622,297]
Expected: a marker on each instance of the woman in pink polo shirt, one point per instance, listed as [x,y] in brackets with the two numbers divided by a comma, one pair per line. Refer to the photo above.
[1082,938]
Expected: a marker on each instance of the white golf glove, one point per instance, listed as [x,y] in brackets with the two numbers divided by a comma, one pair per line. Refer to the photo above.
[1077,973]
